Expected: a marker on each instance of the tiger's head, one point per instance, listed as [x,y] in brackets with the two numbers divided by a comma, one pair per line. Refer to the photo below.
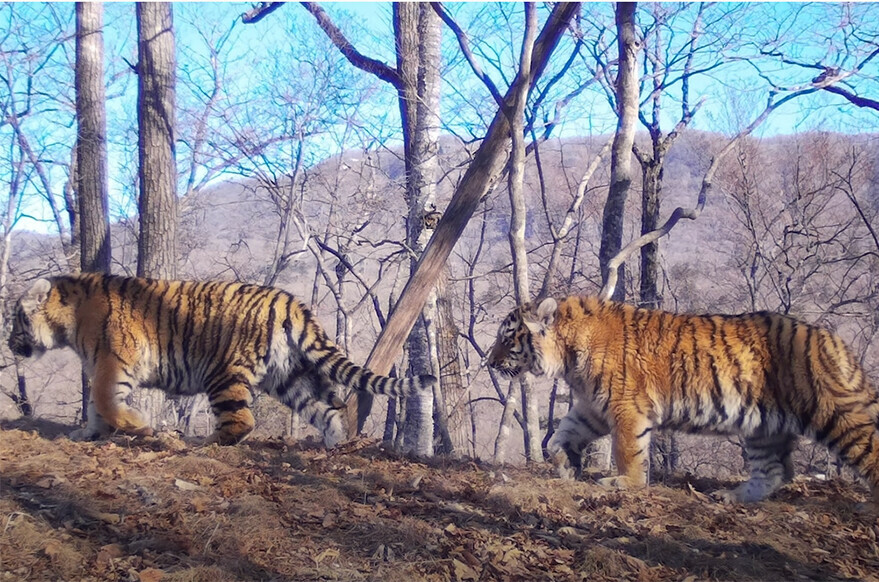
[42,319]
[521,344]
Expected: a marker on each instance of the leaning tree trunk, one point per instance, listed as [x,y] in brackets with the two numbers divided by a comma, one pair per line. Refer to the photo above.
[157,205]
[621,152]
[91,148]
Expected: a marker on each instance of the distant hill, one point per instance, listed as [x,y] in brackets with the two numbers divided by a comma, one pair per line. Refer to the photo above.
[354,204]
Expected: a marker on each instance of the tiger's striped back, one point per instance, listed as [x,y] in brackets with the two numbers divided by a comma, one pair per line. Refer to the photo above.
[225,339]
[767,377]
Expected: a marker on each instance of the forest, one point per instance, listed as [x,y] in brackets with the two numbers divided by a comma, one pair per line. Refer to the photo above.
[412,172]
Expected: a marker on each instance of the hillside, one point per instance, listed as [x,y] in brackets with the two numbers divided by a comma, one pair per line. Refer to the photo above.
[164,509]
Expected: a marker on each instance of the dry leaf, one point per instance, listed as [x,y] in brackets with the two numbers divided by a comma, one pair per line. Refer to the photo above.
[327,553]
[53,548]
[108,553]
[462,571]
[112,518]
[185,485]
[150,575]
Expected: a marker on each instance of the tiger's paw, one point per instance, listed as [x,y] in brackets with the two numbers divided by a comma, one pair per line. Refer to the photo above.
[224,438]
[748,492]
[564,468]
[727,496]
[619,482]
[145,431]
[87,433]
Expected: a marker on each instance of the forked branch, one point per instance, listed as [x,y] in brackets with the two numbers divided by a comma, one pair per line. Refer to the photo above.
[693,213]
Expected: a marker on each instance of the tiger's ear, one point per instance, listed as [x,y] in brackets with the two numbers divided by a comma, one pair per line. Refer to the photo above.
[544,317]
[34,297]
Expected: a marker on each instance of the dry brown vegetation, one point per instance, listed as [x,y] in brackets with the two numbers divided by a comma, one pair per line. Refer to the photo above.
[166,509]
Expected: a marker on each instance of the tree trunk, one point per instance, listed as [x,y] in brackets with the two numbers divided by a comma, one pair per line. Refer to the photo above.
[650,191]
[91,147]
[450,371]
[22,401]
[156,117]
[516,180]
[417,31]
[506,425]
[621,175]
[157,244]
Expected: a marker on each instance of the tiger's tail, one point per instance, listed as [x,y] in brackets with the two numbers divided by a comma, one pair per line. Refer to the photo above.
[335,365]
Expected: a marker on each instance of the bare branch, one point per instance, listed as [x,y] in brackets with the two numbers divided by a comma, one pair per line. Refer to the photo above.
[819,83]
[559,235]
[259,11]
[468,54]
[857,100]
[356,58]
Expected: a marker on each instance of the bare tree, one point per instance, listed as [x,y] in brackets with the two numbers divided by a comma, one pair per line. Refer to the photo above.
[91,148]
[516,178]
[91,171]
[156,74]
[628,47]
[157,175]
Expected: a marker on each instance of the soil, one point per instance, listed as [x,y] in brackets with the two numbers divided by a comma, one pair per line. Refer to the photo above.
[163,508]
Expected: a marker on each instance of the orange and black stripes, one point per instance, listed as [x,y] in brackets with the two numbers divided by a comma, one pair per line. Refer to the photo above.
[225,339]
[765,376]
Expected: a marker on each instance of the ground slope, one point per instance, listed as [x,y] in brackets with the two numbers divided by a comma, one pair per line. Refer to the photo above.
[163,509]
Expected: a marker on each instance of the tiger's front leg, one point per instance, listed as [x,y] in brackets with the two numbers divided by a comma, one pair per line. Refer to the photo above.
[577,429]
[230,403]
[107,410]
[630,437]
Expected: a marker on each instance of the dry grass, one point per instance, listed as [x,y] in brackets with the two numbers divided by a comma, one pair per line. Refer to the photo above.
[164,509]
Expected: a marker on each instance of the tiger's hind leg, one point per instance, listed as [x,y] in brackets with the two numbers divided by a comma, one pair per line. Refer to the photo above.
[314,398]
[854,438]
[107,410]
[577,429]
[771,467]
[230,403]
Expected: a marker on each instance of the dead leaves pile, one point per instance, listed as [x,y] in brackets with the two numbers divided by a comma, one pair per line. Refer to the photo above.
[161,509]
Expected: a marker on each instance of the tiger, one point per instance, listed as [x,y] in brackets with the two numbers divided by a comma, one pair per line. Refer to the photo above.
[224,339]
[766,377]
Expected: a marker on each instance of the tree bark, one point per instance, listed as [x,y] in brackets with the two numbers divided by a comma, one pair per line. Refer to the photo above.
[651,187]
[450,377]
[156,118]
[91,148]
[628,46]
[157,244]
[91,171]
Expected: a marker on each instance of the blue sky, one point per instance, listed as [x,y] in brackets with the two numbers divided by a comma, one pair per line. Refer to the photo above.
[368,26]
